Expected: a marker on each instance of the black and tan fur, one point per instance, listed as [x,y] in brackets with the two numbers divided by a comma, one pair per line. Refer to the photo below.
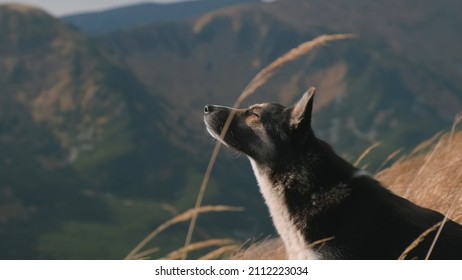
[313,194]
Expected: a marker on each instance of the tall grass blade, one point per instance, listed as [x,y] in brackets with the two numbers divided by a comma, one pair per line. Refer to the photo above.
[183,217]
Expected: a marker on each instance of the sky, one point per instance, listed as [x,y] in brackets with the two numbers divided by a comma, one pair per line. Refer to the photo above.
[65,7]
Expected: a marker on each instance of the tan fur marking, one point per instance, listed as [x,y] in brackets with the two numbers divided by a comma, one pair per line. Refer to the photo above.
[295,244]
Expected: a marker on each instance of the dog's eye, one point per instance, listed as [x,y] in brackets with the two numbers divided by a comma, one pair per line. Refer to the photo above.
[253,113]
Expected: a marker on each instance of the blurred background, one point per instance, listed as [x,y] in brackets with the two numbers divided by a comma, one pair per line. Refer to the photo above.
[101,133]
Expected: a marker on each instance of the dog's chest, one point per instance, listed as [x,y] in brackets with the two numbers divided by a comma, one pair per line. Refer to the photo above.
[296,246]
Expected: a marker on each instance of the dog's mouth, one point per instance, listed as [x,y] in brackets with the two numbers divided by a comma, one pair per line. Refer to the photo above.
[213,133]
[215,118]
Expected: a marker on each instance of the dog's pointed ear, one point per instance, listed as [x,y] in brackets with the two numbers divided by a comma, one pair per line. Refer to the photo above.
[301,111]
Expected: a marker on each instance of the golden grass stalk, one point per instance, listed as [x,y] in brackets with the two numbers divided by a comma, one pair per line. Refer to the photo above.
[422,168]
[215,254]
[264,75]
[145,254]
[427,143]
[268,249]
[388,159]
[177,254]
[457,120]
[431,182]
[320,242]
[455,203]
[418,240]
[450,211]
[183,217]
[259,80]
[440,228]
[437,174]
[366,152]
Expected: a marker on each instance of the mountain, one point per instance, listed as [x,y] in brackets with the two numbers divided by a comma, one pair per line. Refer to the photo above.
[83,151]
[58,110]
[67,85]
[379,87]
[97,23]
[102,137]
[422,33]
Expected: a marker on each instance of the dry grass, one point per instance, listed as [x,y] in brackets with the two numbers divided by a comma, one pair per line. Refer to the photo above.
[437,182]
[220,252]
[365,153]
[418,240]
[175,255]
[432,179]
[183,217]
[269,249]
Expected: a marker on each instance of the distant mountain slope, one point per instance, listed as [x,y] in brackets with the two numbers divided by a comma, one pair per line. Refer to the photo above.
[86,164]
[424,34]
[62,114]
[375,88]
[97,23]
[102,139]
[70,87]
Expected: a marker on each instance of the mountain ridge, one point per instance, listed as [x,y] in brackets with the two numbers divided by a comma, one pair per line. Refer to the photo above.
[248,37]
[109,128]
[130,16]
[90,138]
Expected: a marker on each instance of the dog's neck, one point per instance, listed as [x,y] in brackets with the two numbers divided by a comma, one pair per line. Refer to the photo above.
[293,197]
[294,241]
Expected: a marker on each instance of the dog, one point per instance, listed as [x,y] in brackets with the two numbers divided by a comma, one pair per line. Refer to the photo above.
[313,194]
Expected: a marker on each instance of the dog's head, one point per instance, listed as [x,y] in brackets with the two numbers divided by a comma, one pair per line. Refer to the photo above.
[265,132]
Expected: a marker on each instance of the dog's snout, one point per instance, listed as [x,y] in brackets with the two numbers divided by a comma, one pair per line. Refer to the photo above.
[208,109]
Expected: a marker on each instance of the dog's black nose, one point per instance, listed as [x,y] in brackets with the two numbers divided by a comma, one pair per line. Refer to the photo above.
[208,109]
